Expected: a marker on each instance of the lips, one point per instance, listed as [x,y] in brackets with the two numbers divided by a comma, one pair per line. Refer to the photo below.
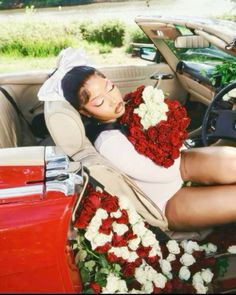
[119,107]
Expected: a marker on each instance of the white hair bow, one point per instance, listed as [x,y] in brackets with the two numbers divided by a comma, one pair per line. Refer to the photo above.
[68,58]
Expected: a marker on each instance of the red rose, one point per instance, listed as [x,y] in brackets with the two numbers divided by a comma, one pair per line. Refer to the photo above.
[132,139]
[105,227]
[157,290]
[177,284]
[129,235]
[128,269]
[118,241]
[152,260]
[143,251]
[152,133]
[134,285]
[140,147]
[174,138]
[174,153]
[82,220]
[109,203]
[111,257]
[103,249]
[95,287]
[124,217]
[167,163]
[168,287]
[176,265]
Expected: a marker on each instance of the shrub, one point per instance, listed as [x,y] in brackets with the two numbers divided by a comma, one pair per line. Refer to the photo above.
[136,35]
[107,32]
[37,39]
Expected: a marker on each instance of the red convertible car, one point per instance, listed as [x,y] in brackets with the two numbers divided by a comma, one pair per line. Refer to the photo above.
[45,165]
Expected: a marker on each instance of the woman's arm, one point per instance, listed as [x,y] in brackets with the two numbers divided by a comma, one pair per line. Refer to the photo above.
[114,146]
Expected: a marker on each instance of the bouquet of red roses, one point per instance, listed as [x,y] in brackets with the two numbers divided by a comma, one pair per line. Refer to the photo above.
[117,252]
[156,125]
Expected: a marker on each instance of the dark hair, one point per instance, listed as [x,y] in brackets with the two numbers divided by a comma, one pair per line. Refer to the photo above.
[73,81]
[71,84]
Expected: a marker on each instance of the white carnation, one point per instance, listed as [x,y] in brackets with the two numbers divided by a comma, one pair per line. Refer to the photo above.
[160,280]
[114,284]
[134,291]
[132,256]
[171,257]
[116,214]
[140,275]
[148,287]
[147,93]
[148,239]
[165,266]
[134,243]
[200,288]
[120,229]
[209,248]
[101,213]
[134,217]
[173,247]
[184,273]
[139,228]
[100,240]
[154,252]
[232,249]
[154,109]
[207,275]
[124,203]
[190,246]
[90,235]
[187,259]
[197,278]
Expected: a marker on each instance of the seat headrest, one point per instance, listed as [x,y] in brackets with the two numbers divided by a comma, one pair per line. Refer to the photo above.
[65,126]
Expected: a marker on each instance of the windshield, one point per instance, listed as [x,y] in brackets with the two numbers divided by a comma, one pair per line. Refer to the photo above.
[210,55]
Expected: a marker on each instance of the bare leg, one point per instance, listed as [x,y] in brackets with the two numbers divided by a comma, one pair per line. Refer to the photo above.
[209,165]
[194,208]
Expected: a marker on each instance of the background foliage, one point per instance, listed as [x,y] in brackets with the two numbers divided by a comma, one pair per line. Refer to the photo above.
[8,4]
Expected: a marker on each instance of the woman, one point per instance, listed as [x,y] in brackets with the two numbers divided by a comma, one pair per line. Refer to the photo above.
[186,208]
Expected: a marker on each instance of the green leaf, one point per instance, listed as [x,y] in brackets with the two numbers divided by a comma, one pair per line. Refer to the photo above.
[85,275]
[90,264]
[222,265]
[101,278]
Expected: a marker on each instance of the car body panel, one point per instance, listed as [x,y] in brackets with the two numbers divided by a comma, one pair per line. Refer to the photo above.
[35,253]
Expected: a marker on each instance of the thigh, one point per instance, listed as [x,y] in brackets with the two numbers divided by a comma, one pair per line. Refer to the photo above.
[193,208]
[209,165]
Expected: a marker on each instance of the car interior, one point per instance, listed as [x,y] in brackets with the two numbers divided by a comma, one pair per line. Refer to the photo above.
[56,123]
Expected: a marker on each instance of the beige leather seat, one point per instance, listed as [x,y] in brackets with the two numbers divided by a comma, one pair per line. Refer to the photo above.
[14,130]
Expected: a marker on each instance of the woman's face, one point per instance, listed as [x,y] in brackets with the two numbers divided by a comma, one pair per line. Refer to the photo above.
[105,100]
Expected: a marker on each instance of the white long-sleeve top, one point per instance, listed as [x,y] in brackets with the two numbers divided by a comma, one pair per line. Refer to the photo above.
[159,183]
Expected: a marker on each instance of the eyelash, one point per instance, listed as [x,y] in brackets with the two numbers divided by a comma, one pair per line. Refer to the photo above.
[103,99]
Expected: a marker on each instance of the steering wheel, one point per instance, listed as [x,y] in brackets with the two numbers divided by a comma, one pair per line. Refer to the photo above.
[220,118]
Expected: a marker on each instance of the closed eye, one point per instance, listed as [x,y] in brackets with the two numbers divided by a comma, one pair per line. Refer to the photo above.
[98,105]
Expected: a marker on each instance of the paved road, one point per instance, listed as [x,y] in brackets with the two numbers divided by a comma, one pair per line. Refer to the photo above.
[127,11]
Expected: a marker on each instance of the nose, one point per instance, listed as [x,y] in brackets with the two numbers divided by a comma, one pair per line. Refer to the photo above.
[112,100]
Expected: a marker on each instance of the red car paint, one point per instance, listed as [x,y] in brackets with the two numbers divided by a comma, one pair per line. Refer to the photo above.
[35,254]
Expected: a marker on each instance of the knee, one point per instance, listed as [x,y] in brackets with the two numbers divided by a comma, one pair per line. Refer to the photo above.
[227,162]
[173,215]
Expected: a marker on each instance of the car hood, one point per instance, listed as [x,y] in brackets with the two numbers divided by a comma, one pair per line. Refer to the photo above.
[221,33]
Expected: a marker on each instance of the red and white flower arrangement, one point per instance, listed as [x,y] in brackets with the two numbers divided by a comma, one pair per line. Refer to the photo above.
[117,252]
[156,125]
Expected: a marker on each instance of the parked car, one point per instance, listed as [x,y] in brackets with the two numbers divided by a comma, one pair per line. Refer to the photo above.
[45,165]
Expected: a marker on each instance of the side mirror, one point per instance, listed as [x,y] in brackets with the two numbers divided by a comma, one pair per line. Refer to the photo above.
[191,41]
[150,54]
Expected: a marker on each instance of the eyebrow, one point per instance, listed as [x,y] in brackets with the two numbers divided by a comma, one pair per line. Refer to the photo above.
[99,94]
